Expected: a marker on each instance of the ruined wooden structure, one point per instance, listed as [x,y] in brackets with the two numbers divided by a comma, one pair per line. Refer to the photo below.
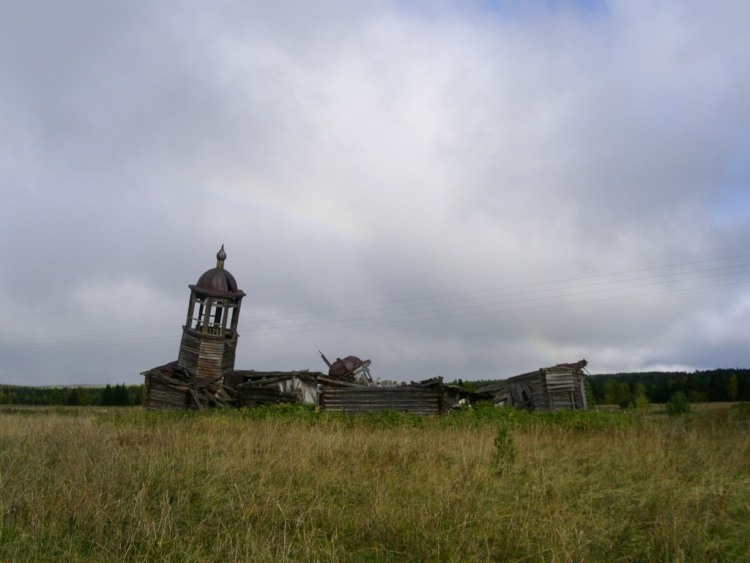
[558,387]
[209,336]
[207,349]
[204,375]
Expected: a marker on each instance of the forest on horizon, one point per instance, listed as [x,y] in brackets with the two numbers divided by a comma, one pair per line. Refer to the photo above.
[718,385]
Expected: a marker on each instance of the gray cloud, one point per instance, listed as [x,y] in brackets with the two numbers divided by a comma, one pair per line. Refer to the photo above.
[458,189]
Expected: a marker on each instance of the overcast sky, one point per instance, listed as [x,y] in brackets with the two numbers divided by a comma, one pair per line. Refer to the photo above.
[466,189]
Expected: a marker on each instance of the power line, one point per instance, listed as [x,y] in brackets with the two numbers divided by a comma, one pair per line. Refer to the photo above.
[443,315]
[426,306]
[525,286]
[492,301]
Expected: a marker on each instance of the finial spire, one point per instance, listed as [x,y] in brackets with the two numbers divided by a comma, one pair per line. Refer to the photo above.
[220,257]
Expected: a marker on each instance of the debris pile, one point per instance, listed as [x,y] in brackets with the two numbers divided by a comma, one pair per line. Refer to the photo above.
[172,387]
[349,387]
[265,387]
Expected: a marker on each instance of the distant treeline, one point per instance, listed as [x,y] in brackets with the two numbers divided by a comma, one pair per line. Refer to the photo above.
[716,385]
[109,395]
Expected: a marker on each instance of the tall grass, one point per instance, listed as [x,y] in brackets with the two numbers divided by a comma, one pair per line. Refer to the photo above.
[296,484]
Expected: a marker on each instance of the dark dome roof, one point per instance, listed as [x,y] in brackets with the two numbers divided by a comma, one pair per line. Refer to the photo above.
[218,281]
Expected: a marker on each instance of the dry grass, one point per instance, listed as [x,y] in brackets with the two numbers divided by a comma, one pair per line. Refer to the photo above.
[127,485]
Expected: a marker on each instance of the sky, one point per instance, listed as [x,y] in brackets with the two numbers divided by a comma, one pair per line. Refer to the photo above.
[466,189]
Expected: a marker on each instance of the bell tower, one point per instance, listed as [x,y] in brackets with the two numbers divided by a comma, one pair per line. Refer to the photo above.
[209,336]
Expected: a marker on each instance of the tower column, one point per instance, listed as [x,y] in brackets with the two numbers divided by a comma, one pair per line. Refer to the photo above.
[209,340]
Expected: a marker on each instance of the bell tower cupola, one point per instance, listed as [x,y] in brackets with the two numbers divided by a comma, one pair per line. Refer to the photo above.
[209,337]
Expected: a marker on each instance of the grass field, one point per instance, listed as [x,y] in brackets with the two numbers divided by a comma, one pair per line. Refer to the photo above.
[293,484]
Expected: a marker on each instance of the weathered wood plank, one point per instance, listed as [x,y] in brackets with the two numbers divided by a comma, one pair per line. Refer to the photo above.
[413,399]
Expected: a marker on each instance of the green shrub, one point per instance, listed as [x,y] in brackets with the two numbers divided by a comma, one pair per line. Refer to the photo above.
[505,450]
[678,404]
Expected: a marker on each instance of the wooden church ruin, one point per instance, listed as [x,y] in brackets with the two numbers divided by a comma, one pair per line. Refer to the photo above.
[204,374]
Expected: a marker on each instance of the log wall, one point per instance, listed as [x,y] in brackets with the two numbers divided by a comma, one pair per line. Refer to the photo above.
[412,399]
[205,355]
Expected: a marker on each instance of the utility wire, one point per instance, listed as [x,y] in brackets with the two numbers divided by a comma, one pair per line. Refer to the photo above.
[442,315]
[435,306]
[492,301]
[526,287]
